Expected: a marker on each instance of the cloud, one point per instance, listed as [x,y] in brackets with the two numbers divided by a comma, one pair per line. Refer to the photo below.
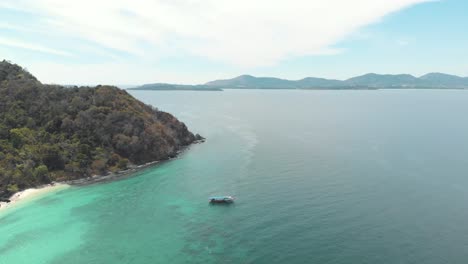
[246,33]
[23,45]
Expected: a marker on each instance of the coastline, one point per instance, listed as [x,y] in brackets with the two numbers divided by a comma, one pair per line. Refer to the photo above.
[111,176]
[28,194]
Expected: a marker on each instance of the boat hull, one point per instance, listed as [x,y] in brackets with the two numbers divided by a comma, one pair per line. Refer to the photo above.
[222,199]
[219,202]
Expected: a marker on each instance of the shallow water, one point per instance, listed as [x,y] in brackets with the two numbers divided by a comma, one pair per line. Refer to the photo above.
[319,176]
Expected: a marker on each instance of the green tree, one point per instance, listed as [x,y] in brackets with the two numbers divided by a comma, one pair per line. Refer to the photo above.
[21,136]
[41,173]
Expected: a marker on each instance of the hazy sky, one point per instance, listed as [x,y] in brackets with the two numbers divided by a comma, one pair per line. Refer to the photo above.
[194,41]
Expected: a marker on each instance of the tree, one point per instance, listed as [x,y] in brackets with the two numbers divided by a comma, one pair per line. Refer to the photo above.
[41,173]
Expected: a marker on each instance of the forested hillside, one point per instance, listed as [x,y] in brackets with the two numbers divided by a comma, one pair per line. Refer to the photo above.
[51,132]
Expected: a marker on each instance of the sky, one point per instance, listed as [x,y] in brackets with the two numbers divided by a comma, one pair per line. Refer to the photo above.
[130,42]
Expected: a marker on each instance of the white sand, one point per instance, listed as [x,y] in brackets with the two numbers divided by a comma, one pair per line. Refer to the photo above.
[29,194]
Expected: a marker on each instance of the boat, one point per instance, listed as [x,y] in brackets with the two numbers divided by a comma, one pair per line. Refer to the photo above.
[221,199]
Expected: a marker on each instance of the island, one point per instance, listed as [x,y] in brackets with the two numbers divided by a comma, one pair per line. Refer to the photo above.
[53,133]
[174,87]
[370,81]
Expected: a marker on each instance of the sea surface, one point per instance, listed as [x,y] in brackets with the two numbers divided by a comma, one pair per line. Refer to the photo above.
[319,176]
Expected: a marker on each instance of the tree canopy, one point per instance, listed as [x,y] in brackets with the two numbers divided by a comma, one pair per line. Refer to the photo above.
[54,133]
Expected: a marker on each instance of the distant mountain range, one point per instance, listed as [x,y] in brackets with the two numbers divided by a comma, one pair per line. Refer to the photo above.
[367,81]
[172,87]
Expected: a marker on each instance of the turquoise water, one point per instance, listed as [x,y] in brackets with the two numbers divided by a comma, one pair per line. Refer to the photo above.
[319,176]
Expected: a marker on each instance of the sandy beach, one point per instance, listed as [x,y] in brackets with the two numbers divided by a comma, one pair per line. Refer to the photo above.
[32,193]
[29,194]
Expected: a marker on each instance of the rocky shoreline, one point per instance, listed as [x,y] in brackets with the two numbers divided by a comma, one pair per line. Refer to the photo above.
[110,176]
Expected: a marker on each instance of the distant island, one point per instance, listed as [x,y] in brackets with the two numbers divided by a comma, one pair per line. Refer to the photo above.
[55,133]
[174,87]
[367,81]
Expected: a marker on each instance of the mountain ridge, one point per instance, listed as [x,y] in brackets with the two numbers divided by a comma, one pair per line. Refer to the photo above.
[370,80]
[433,80]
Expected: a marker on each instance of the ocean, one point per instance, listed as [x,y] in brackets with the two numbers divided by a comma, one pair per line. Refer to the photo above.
[377,176]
